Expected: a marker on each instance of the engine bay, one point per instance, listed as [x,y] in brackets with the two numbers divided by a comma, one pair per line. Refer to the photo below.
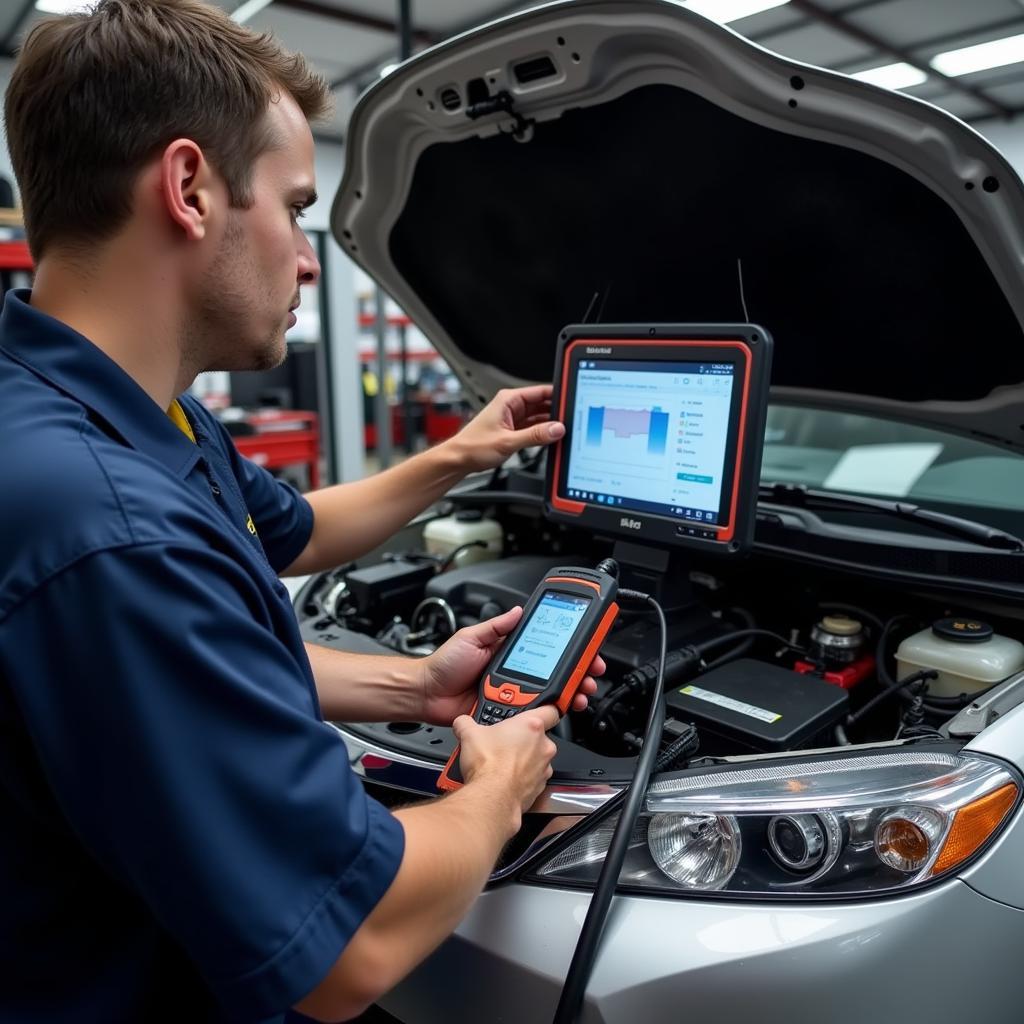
[765,655]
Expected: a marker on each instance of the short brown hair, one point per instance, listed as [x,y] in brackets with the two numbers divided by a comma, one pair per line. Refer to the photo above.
[94,96]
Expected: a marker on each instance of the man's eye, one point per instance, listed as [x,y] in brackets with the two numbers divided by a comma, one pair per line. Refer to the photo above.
[298,212]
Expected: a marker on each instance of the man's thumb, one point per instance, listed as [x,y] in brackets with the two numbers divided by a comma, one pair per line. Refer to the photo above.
[462,725]
[540,433]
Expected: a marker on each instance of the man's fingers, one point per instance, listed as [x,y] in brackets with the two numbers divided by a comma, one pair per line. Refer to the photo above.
[597,666]
[521,402]
[540,417]
[532,395]
[588,689]
[525,416]
[548,715]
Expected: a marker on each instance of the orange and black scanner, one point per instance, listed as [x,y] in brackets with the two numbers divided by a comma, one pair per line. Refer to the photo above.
[545,658]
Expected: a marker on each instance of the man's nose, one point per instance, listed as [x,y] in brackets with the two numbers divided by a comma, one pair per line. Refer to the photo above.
[309,265]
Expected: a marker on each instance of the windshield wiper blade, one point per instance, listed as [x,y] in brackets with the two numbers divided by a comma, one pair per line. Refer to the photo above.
[799,496]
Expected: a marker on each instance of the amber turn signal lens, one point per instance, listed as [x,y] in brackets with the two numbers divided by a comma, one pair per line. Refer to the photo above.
[904,840]
[973,824]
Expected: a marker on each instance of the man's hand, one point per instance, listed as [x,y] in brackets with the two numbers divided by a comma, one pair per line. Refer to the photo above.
[451,673]
[513,419]
[516,754]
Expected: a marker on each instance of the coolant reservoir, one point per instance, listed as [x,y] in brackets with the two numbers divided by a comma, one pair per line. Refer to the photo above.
[450,536]
[968,655]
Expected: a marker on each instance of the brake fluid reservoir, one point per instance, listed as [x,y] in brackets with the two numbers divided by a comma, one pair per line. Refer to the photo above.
[968,655]
[448,535]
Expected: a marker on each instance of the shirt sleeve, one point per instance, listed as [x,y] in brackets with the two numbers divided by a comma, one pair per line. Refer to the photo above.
[283,518]
[179,738]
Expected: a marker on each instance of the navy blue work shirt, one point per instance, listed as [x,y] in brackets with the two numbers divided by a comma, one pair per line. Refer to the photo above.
[181,836]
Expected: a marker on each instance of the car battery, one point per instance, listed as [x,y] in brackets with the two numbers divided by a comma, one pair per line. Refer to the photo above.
[389,588]
[751,706]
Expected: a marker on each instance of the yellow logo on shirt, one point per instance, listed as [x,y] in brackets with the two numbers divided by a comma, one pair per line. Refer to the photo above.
[251,526]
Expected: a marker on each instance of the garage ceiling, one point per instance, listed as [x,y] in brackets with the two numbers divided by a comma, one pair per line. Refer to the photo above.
[350,41]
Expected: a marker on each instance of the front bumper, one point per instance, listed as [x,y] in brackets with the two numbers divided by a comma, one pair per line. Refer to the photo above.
[946,954]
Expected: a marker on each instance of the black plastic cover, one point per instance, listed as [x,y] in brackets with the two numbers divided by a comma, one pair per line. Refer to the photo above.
[750,705]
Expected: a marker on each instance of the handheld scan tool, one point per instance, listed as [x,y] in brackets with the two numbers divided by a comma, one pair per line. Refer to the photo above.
[545,658]
[664,429]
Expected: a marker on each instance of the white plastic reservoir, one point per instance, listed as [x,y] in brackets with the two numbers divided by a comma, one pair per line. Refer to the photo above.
[479,539]
[968,655]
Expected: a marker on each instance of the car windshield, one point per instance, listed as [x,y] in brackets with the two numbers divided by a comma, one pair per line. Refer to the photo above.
[855,454]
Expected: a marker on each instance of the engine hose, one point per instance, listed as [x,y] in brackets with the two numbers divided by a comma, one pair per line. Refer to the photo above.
[682,662]
[744,645]
[604,708]
[917,677]
[684,746]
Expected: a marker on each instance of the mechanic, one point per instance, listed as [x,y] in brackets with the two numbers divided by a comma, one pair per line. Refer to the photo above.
[183,838]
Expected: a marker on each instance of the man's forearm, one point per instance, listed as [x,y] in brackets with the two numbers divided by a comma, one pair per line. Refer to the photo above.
[366,687]
[451,846]
[353,518]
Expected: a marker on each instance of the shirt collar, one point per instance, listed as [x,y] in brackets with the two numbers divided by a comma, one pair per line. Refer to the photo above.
[70,362]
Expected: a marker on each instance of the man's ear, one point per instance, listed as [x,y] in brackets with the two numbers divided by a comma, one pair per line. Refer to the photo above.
[186,183]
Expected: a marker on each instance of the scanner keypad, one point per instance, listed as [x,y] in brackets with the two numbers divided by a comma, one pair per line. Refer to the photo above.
[491,714]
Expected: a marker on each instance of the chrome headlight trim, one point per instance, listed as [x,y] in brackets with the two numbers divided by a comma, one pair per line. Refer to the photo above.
[851,796]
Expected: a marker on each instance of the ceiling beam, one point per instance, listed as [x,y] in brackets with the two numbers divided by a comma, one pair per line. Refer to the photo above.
[350,17]
[364,75]
[937,42]
[986,118]
[805,21]
[839,24]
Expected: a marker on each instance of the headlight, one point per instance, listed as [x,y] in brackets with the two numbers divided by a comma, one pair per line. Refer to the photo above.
[843,826]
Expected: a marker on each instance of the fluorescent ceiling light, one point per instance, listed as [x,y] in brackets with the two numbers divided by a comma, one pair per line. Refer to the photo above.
[995,54]
[893,76]
[724,11]
[64,6]
[245,11]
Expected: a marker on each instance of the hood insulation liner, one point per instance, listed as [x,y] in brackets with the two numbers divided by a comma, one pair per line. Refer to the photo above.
[866,278]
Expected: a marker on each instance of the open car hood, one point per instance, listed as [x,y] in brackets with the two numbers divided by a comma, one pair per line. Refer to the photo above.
[634,149]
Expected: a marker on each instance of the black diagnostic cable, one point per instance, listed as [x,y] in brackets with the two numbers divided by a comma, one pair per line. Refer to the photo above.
[686,659]
[631,799]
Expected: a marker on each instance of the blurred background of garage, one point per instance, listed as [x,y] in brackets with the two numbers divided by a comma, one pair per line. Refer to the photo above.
[362,387]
